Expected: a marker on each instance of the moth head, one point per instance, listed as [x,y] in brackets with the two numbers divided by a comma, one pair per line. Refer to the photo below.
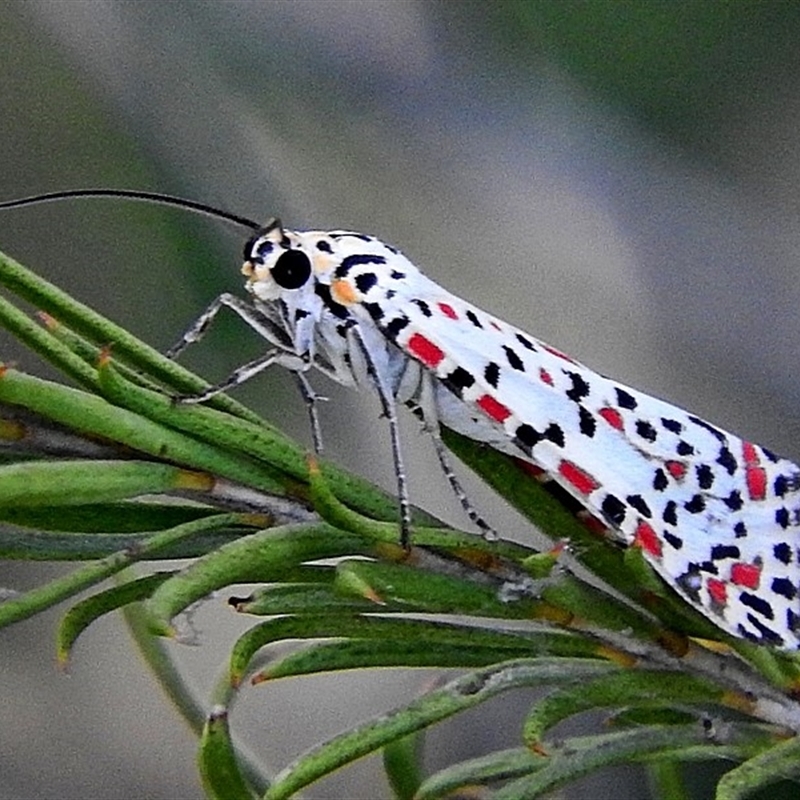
[276,261]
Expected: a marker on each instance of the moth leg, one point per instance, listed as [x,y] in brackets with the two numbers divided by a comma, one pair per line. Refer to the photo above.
[271,327]
[257,320]
[425,412]
[380,381]
[247,371]
[311,398]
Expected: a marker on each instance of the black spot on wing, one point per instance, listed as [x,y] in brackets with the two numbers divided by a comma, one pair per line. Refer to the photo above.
[527,436]
[458,380]
[767,635]
[492,374]
[784,587]
[514,361]
[770,455]
[675,542]
[646,430]
[473,318]
[356,260]
[423,307]
[705,476]
[787,483]
[792,620]
[613,509]
[734,500]
[719,552]
[587,423]
[638,502]
[350,235]
[525,342]
[625,399]
[783,553]
[555,434]
[726,460]
[579,389]
[324,293]
[374,310]
[696,505]
[715,432]
[393,327]
[365,281]
[758,604]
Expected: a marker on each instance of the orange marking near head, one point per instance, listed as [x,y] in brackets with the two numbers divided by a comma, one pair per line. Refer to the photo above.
[343,292]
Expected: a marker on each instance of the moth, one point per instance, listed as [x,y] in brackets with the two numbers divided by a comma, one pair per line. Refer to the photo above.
[715,515]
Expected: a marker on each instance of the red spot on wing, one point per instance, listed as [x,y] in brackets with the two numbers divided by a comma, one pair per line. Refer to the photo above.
[558,353]
[593,524]
[750,454]
[493,408]
[612,417]
[756,482]
[755,475]
[545,376]
[676,468]
[425,350]
[646,538]
[531,469]
[747,575]
[495,325]
[577,477]
[718,591]
[447,310]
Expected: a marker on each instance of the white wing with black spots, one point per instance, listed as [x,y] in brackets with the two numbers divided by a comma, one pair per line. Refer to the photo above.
[716,516]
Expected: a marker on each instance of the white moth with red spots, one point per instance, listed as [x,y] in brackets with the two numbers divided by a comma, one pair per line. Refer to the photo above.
[715,516]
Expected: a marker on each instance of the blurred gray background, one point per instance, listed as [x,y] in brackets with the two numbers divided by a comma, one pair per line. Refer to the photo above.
[620,180]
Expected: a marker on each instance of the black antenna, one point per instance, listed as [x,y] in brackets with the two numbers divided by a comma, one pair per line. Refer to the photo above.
[135,194]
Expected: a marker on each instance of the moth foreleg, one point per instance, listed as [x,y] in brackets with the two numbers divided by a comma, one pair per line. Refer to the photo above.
[256,319]
[247,371]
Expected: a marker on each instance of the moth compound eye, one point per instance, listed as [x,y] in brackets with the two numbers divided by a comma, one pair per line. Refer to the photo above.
[291,270]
